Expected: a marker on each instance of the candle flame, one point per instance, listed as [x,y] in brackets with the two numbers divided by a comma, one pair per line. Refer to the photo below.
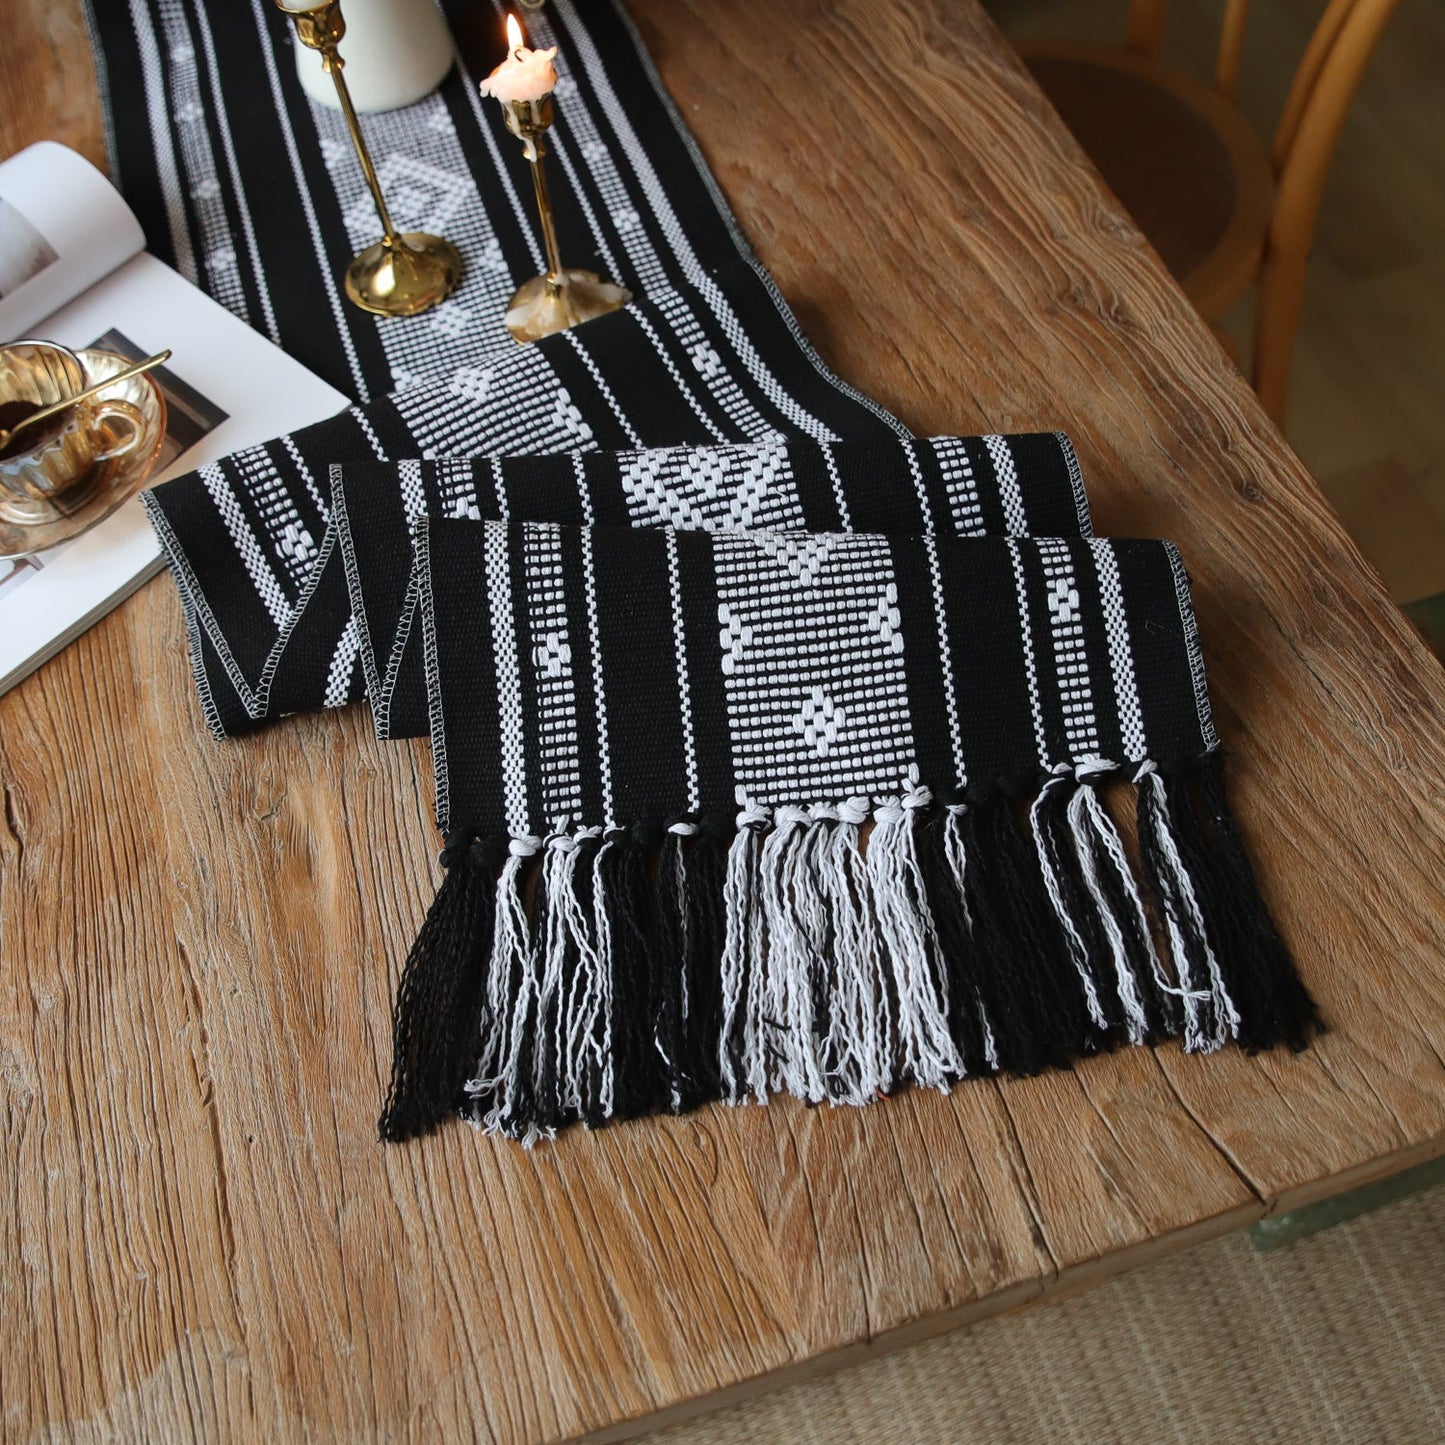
[514,35]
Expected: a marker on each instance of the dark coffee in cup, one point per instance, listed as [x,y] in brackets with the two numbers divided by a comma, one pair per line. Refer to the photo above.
[12,413]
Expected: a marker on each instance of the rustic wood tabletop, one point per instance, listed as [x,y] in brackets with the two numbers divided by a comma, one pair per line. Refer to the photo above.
[198,942]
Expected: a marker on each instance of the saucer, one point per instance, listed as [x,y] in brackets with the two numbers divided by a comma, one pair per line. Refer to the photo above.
[107,484]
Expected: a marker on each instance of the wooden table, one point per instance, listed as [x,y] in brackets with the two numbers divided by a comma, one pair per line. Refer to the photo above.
[200,1234]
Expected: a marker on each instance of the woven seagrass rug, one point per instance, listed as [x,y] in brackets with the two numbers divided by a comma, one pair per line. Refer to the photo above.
[1336,1338]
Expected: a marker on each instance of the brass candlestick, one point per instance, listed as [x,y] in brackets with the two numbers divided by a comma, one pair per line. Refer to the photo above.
[564,297]
[401,274]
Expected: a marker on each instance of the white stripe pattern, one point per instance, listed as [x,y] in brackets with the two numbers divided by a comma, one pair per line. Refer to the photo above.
[509,683]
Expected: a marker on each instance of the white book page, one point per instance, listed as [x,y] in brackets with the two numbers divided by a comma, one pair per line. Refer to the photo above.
[62,227]
[234,389]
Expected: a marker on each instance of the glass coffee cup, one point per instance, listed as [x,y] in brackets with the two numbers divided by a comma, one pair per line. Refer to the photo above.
[50,467]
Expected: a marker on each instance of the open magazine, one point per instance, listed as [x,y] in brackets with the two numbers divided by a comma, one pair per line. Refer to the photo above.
[73,269]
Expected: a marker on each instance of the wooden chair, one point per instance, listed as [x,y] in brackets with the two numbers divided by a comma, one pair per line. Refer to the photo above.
[1221,210]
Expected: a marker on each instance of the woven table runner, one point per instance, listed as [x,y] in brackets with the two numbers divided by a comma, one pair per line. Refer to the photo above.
[967,485]
[772,745]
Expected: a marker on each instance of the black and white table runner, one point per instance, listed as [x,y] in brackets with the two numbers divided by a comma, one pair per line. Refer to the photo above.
[967,485]
[683,736]
[771,743]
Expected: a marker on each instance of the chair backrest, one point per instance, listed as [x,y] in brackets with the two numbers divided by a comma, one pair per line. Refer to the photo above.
[1304,145]
[1343,39]
[1319,98]
[1146,37]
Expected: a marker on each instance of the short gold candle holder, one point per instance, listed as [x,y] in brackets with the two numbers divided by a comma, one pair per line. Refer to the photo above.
[564,297]
[403,273]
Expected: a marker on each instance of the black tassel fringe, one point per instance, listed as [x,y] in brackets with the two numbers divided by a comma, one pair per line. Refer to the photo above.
[971,997]
[1260,975]
[437,1019]
[1019,991]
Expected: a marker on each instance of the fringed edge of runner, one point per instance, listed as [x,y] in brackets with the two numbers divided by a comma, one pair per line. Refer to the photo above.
[838,953]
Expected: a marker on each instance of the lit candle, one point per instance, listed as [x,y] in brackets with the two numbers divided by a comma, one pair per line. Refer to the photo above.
[524,74]
[564,296]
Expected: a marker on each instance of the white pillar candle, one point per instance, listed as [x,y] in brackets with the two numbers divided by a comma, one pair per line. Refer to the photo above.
[524,74]
[396,51]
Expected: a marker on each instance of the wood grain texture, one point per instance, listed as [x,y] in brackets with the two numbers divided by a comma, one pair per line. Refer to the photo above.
[198,942]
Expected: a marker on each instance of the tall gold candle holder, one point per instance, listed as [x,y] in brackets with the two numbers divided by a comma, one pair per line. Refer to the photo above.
[564,297]
[403,273]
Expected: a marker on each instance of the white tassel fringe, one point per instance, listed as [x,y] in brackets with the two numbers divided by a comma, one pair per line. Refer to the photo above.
[831,981]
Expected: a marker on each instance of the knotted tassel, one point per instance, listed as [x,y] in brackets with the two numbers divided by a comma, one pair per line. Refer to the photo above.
[570,990]
[858,1036]
[1210,1016]
[1273,1005]
[1034,1001]
[436,1023]
[794,916]
[945,866]
[687,952]
[1150,1006]
[504,1086]
[627,896]
[1083,933]
[742,1044]
[941,863]
[926,1053]
[703,885]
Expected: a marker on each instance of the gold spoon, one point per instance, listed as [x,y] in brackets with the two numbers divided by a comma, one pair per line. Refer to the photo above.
[134,370]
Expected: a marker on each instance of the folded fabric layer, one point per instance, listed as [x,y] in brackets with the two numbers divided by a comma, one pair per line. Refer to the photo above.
[969,486]
[250,540]
[744,707]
